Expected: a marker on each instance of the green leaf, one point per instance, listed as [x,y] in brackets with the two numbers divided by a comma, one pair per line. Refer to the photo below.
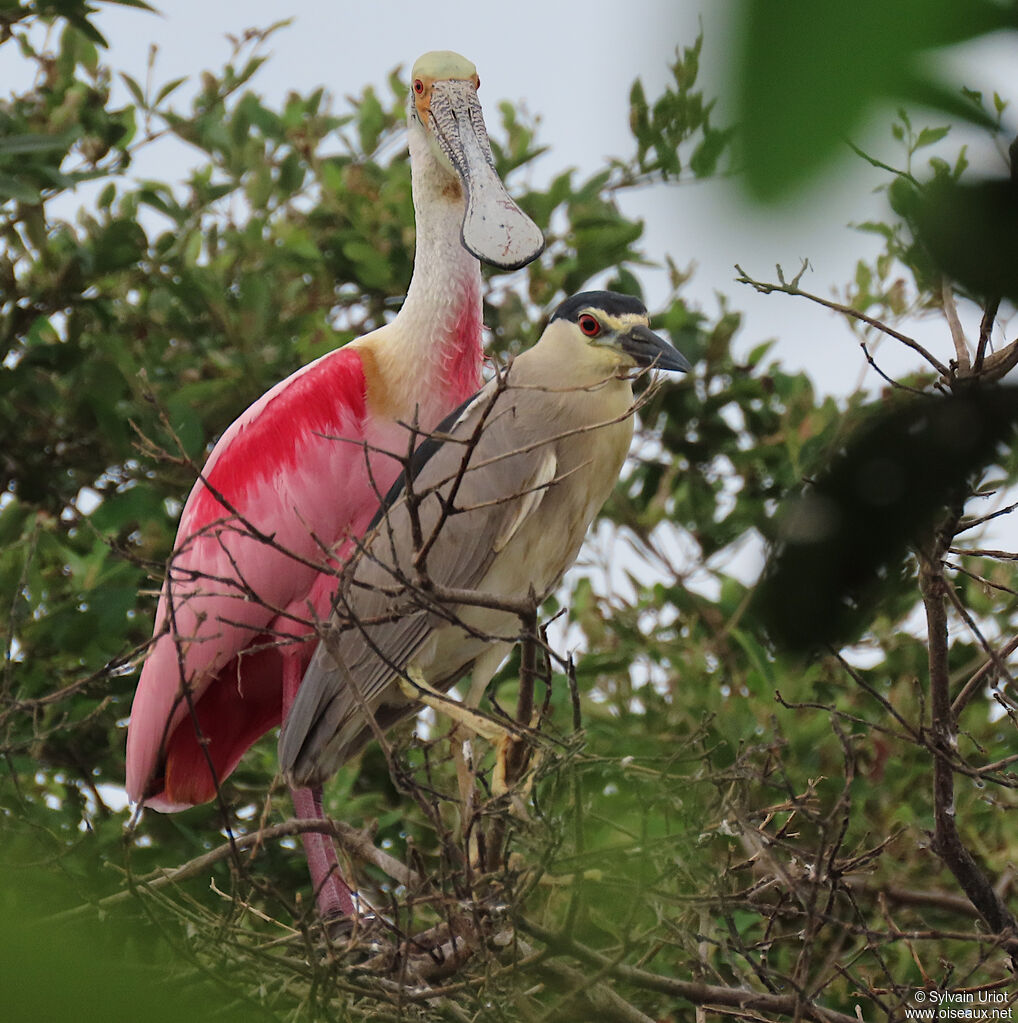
[122,244]
[88,32]
[372,267]
[12,188]
[169,88]
[370,121]
[930,136]
[35,143]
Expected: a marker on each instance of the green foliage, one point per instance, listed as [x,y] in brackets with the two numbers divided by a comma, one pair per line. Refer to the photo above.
[809,77]
[699,806]
[124,969]
[678,120]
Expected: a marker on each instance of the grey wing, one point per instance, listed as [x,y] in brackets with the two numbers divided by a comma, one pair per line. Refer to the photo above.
[470,499]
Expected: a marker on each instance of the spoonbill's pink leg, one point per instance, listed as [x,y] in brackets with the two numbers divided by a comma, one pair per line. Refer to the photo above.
[333,894]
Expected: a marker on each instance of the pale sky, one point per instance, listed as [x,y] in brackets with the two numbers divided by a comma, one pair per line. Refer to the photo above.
[572,63]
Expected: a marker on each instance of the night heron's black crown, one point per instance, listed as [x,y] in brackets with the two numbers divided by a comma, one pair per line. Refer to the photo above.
[611,302]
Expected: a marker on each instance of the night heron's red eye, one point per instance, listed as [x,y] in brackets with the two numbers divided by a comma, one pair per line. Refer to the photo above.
[418,86]
[477,83]
[589,325]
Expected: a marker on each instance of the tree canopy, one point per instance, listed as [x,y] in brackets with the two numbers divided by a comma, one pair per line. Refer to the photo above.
[717,810]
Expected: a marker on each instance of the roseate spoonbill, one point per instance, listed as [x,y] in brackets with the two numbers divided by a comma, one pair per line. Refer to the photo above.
[502,496]
[299,474]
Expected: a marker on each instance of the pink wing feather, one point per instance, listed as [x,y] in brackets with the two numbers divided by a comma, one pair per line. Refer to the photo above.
[283,473]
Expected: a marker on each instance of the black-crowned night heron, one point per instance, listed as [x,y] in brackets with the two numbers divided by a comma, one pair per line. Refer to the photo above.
[490,514]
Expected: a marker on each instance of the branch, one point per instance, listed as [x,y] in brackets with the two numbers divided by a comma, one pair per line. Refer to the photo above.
[961,348]
[477,598]
[947,843]
[985,329]
[845,310]
[962,612]
[999,364]
[968,524]
[983,553]
[979,676]
[916,898]
[691,991]
[517,753]
[355,842]
[608,1003]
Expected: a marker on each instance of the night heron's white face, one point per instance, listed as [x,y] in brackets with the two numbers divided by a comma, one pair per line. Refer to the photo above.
[443,102]
[613,331]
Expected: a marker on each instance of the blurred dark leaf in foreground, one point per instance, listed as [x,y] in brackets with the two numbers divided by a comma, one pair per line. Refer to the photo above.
[971,231]
[854,522]
[88,964]
[811,73]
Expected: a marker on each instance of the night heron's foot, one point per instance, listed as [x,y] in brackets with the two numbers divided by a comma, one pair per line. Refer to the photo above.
[357,936]
[473,721]
[339,927]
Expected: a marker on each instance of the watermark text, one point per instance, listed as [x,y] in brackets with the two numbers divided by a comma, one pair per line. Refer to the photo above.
[981,1006]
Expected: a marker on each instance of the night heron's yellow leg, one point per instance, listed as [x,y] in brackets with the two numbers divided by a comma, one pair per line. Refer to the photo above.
[465,719]
[419,689]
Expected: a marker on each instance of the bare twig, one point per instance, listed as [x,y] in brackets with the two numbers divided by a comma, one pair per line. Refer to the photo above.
[984,675]
[793,289]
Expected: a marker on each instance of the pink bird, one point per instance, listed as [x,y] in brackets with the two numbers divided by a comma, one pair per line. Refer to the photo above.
[298,476]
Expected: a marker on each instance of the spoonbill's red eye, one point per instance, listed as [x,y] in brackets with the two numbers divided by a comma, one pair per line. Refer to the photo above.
[589,325]
[418,86]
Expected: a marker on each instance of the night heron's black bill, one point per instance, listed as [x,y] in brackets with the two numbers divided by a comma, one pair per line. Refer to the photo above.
[648,349]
